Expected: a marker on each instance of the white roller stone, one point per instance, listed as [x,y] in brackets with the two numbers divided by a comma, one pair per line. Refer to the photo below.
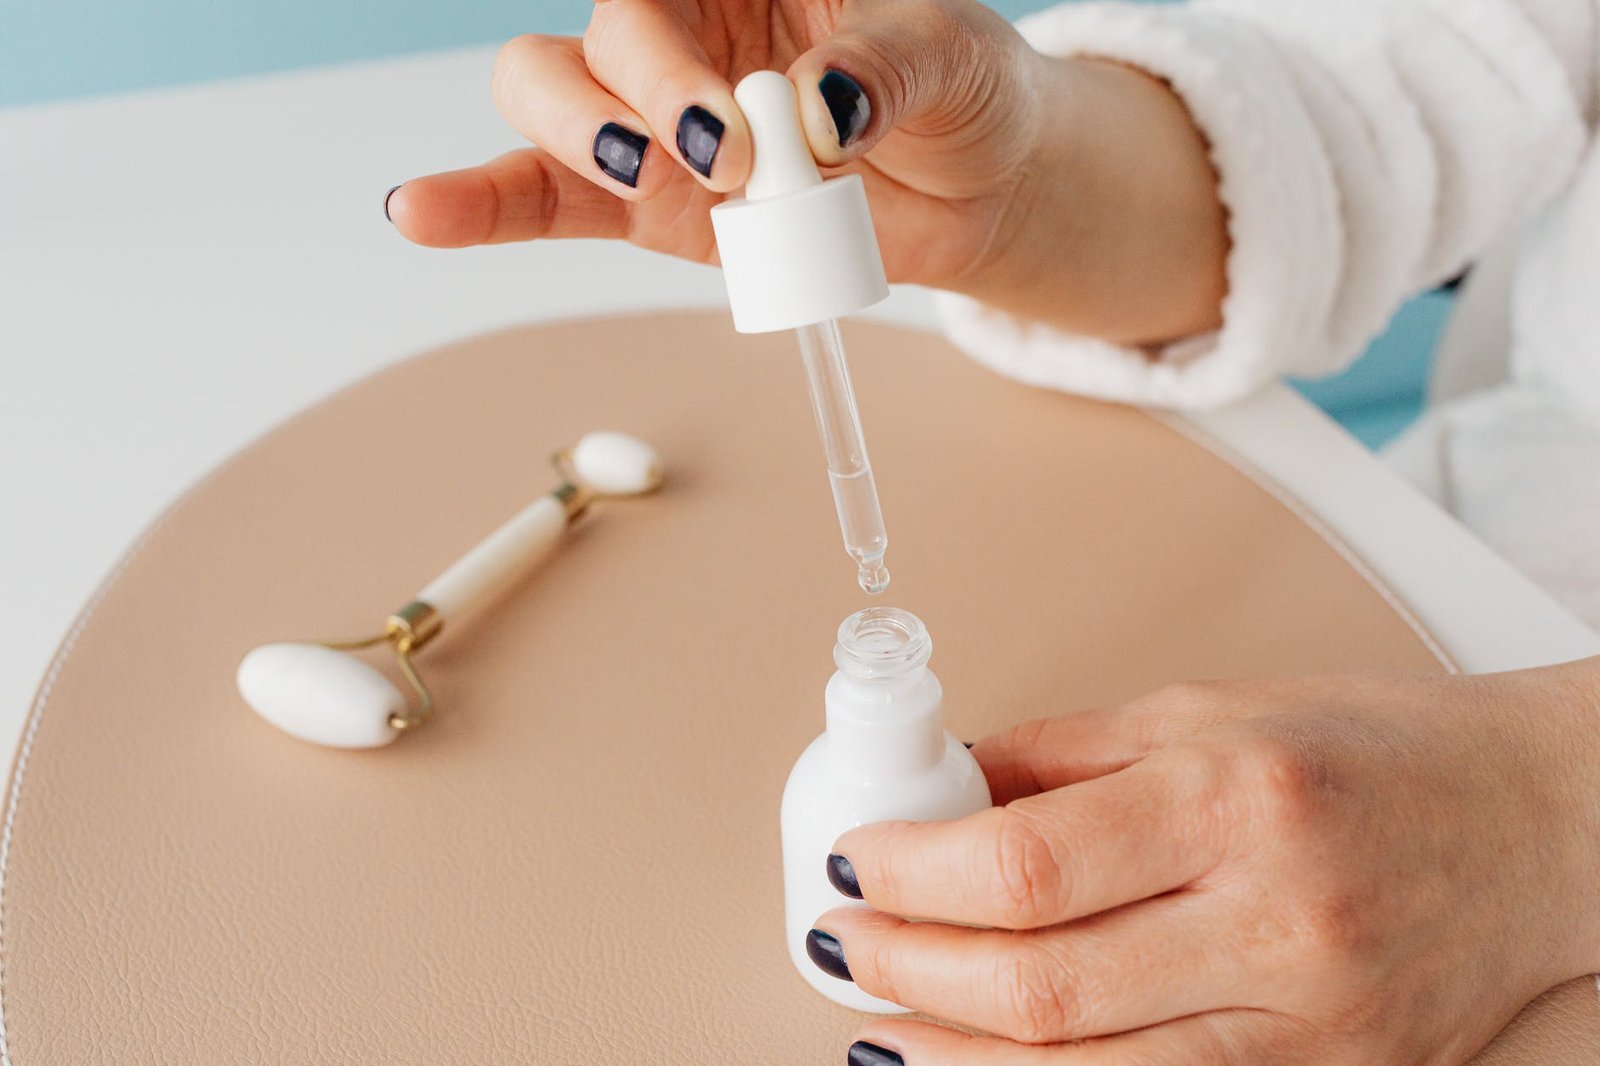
[616,464]
[320,695]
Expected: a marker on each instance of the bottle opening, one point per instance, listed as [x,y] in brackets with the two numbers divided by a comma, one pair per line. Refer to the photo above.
[881,644]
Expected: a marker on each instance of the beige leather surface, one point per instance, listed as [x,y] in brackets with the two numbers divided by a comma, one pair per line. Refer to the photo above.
[577,862]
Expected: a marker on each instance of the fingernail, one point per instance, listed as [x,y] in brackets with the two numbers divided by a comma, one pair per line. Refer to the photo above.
[386,198]
[847,103]
[842,876]
[619,152]
[699,137]
[865,1054]
[828,954]
[968,743]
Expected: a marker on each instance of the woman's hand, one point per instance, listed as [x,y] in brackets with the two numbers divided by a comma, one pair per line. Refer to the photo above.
[1076,192]
[1354,871]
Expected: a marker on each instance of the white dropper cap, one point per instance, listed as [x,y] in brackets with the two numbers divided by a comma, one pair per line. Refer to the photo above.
[797,250]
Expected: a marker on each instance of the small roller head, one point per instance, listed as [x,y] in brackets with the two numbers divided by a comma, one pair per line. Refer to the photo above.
[615,464]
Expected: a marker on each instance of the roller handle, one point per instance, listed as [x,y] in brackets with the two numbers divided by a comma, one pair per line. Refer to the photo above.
[602,465]
[499,561]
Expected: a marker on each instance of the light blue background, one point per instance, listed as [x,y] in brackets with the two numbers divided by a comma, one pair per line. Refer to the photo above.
[63,49]
[57,49]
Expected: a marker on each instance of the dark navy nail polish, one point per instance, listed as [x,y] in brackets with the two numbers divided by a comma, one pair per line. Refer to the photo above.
[865,1054]
[842,876]
[386,198]
[619,152]
[847,103]
[699,137]
[828,954]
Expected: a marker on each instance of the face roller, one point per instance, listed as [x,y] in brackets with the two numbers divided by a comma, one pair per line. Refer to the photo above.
[320,693]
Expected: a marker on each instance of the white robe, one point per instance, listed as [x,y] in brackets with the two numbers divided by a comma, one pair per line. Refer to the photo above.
[1368,150]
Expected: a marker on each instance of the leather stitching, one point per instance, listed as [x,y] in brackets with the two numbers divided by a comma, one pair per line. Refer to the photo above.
[19,773]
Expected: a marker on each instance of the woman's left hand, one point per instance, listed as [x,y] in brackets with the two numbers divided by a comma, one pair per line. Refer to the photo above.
[1341,870]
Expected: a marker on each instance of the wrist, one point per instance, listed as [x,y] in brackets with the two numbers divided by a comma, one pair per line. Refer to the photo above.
[1115,229]
[1569,706]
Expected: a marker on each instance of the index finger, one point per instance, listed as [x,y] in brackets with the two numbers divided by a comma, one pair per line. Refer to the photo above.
[645,54]
[1048,753]
[521,196]
[1127,836]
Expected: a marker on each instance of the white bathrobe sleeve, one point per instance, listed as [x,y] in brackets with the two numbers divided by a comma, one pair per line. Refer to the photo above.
[1366,150]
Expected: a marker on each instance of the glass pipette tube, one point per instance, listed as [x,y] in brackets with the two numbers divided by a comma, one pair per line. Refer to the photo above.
[855,493]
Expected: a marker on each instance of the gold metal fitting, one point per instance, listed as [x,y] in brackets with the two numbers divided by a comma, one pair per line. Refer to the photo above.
[413,626]
[576,497]
[406,630]
[417,621]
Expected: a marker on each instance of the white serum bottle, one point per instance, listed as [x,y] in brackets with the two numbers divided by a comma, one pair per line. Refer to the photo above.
[884,757]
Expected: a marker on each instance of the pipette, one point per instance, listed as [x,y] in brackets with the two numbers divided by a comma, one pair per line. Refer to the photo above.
[798,253]
[855,492]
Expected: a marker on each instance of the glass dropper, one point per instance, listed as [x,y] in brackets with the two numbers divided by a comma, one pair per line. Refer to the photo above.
[798,253]
[855,493]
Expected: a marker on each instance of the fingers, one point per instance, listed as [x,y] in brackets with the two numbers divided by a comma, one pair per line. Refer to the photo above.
[544,89]
[523,195]
[1127,836]
[646,56]
[1054,752]
[903,1043]
[1112,973]
[1224,1038]
[900,63]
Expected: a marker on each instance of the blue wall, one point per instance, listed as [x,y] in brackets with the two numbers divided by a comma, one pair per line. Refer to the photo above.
[1384,391]
[63,49]
[57,49]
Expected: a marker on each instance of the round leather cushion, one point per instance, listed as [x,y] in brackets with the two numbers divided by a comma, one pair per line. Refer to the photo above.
[577,861]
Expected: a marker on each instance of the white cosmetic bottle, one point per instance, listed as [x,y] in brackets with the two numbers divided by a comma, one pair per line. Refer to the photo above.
[885,756]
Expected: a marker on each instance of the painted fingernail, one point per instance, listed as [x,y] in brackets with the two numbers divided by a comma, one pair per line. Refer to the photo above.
[968,743]
[842,876]
[865,1054]
[699,137]
[847,103]
[619,152]
[386,198]
[828,954]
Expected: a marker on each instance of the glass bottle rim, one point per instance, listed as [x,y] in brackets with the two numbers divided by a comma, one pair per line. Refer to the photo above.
[882,644]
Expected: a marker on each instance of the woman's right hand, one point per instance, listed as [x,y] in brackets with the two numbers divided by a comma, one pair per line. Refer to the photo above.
[1066,190]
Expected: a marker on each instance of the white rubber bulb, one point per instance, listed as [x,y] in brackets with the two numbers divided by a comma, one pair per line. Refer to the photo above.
[320,695]
[783,163]
[616,464]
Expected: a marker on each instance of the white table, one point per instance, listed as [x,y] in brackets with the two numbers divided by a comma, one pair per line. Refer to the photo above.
[180,270]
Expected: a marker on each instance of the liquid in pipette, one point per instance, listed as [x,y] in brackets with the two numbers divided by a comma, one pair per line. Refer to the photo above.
[856,495]
[844,447]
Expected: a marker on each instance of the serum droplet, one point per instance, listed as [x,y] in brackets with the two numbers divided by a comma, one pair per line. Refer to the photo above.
[874,580]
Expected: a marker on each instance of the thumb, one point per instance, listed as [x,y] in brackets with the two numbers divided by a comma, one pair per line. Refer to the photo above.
[925,65]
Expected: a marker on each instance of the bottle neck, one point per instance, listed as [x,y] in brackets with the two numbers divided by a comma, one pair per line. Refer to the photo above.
[884,706]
